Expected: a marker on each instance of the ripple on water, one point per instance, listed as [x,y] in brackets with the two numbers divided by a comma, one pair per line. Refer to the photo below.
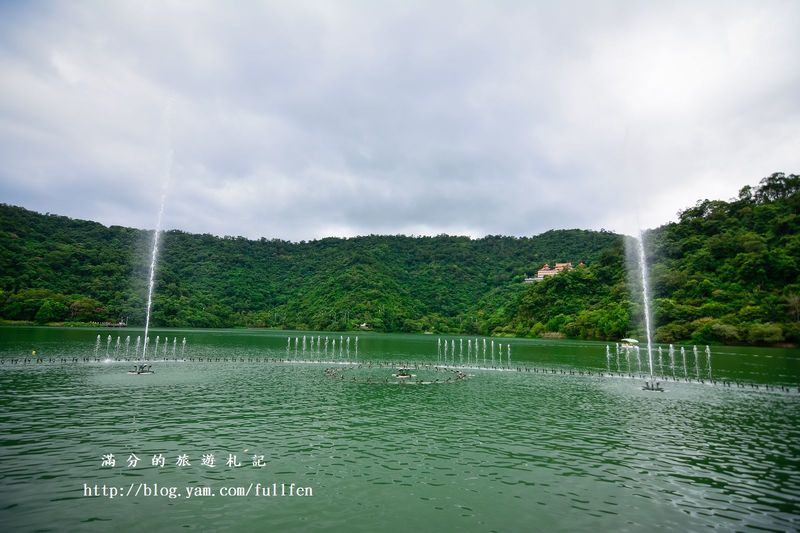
[500,451]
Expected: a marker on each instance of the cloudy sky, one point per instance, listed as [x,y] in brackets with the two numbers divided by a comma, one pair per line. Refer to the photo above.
[299,120]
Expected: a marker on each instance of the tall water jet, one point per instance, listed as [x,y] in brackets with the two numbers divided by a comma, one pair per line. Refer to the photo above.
[159,220]
[96,346]
[646,301]
[151,278]
[708,360]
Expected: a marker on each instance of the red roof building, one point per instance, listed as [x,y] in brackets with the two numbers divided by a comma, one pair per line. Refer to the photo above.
[546,271]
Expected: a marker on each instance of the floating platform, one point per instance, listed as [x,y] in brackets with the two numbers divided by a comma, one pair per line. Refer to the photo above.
[656,387]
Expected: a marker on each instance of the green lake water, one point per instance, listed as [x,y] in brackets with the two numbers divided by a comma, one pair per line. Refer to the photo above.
[501,450]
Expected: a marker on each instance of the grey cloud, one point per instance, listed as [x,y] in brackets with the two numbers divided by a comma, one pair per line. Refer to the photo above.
[299,120]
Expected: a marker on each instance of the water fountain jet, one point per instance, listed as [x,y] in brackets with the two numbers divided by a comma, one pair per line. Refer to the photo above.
[646,303]
[157,231]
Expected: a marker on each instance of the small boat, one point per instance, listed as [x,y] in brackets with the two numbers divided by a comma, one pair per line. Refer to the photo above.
[141,369]
[629,343]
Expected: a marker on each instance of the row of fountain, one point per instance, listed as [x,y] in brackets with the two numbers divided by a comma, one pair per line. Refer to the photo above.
[473,354]
[319,346]
[621,362]
[118,346]
[626,350]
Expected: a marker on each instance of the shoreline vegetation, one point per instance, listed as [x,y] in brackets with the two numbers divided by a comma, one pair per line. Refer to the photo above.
[727,272]
[545,336]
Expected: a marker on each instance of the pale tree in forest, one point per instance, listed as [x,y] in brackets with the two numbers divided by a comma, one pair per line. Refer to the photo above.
[793,303]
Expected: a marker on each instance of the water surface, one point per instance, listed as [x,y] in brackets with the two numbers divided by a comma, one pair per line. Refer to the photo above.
[500,451]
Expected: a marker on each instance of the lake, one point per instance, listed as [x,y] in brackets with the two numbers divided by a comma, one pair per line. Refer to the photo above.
[548,444]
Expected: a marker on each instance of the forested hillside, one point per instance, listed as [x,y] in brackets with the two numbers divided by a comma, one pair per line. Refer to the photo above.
[730,271]
[724,272]
[56,269]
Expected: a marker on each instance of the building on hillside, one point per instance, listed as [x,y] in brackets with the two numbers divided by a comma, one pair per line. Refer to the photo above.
[546,271]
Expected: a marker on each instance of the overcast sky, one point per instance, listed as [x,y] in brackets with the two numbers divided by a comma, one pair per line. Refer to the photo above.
[299,120]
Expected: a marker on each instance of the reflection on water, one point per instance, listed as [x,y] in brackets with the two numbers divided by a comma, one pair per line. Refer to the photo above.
[504,451]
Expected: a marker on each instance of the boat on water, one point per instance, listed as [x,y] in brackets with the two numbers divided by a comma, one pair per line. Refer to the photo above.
[629,343]
[142,369]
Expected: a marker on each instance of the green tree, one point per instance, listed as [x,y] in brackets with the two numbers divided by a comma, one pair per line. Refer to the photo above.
[51,311]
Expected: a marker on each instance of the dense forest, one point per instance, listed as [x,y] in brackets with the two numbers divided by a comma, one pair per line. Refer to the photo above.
[724,272]
[55,269]
[729,272]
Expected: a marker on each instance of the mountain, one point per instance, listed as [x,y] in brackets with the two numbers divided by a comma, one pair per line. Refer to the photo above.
[729,272]
[57,269]
[725,272]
